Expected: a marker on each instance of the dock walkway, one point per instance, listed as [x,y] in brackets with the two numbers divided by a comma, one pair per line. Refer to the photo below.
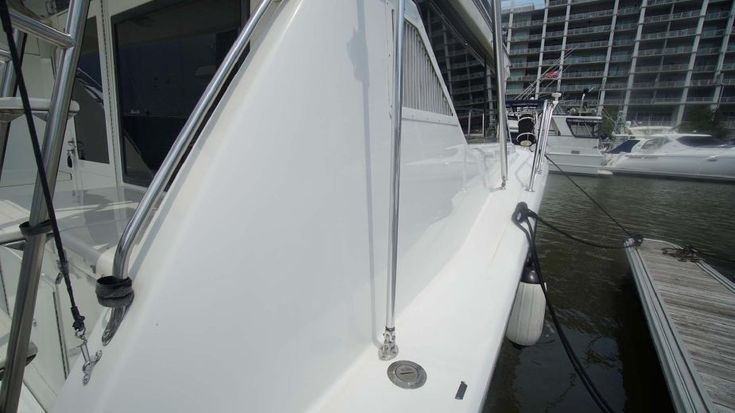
[690,309]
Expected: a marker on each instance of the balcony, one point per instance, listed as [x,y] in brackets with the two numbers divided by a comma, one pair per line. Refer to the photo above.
[615,86]
[578,88]
[662,2]
[626,26]
[579,75]
[515,52]
[587,45]
[669,35]
[711,51]
[613,102]
[660,85]
[662,68]
[589,30]
[672,17]
[624,42]
[653,101]
[717,15]
[666,51]
[704,68]
[704,82]
[713,33]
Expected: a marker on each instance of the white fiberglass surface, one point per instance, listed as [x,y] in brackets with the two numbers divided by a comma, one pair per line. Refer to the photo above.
[262,278]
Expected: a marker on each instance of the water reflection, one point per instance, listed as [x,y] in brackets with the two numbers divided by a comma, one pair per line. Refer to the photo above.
[596,297]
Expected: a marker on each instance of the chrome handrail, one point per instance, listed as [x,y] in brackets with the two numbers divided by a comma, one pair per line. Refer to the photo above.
[543,139]
[32,26]
[179,148]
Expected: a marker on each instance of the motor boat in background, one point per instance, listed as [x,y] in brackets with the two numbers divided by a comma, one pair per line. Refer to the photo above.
[678,155]
[575,144]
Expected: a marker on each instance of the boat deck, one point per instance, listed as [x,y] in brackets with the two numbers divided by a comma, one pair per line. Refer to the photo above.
[690,309]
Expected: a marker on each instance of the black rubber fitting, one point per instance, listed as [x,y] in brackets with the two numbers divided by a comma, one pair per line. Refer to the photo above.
[114,292]
[28,231]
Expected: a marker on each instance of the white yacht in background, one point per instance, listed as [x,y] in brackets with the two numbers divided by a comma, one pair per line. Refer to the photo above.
[228,198]
[678,155]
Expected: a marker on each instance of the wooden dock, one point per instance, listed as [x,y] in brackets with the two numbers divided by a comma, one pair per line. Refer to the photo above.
[690,309]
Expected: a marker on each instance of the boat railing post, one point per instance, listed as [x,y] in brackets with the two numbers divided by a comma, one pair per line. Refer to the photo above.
[547,127]
[30,271]
[8,90]
[500,82]
[389,349]
[469,123]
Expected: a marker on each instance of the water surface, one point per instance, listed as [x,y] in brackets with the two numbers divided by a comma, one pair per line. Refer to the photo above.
[596,298]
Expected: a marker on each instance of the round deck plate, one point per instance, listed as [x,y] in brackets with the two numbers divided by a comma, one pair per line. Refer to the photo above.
[406,374]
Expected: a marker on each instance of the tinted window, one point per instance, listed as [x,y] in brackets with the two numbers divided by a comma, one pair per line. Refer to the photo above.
[700,141]
[90,121]
[654,144]
[166,56]
[582,128]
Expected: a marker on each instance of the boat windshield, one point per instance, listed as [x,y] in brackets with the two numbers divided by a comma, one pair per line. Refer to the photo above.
[701,141]
[584,128]
[624,147]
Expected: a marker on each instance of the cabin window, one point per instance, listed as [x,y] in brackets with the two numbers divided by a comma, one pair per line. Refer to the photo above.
[701,141]
[165,55]
[422,89]
[653,144]
[582,128]
[91,132]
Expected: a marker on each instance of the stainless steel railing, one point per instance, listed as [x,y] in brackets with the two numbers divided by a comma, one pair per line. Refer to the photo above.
[389,349]
[543,139]
[30,271]
[188,133]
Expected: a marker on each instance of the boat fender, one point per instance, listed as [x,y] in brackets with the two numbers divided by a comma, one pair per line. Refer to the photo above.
[526,321]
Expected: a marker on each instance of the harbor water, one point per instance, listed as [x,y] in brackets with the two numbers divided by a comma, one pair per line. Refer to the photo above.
[596,298]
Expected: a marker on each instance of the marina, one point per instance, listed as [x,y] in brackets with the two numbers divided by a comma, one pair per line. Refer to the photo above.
[326,206]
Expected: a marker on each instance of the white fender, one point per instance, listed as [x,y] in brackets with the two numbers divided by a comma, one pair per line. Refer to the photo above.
[526,320]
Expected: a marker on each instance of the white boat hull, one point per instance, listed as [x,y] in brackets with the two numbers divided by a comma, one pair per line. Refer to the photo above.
[715,168]
[578,164]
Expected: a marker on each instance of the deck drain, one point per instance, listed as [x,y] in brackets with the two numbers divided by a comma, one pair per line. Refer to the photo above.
[406,374]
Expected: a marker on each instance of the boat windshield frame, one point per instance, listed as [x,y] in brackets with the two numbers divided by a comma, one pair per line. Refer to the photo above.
[584,128]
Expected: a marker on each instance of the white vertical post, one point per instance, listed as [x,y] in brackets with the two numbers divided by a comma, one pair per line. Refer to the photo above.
[500,79]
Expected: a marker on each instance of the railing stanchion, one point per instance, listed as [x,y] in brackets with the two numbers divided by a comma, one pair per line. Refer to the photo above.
[389,349]
[502,130]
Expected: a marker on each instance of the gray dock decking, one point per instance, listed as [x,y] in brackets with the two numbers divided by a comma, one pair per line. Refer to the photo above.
[690,309]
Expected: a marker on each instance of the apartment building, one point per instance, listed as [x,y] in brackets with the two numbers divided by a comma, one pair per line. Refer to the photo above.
[649,61]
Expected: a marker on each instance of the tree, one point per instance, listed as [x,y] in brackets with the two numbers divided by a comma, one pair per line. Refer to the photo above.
[609,121]
[705,120]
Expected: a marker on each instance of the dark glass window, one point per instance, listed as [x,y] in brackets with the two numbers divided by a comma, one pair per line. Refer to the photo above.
[90,121]
[701,141]
[166,54]
[582,128]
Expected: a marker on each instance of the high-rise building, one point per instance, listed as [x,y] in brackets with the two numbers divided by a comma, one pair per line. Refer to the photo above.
[649,61]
